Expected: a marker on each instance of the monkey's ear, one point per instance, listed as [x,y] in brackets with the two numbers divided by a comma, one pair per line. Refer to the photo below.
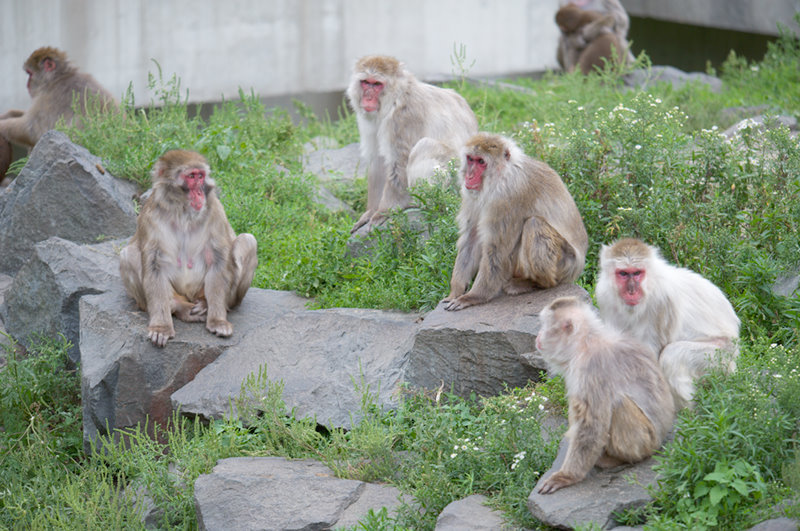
[567,326]
[507,154]
[48,64]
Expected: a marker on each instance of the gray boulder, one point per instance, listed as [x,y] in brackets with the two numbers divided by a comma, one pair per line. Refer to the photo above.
[482,348]
[325,358]
[776,524]
[43,297]
[5,285]
[596,498]
[125,380]
[760,123]
[62,192]
[262,493]
[645,77]
[470,513]
[335,164]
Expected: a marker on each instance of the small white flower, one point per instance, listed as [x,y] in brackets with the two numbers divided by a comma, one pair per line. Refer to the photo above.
[453,456]
[541,407]
[637,146]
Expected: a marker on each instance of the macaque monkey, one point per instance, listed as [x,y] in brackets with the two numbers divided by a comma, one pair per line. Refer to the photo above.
[682,316]
[184,258]
[616,21]
[53,83]
[620,406]
[407,128]
[589,38]
[519,228]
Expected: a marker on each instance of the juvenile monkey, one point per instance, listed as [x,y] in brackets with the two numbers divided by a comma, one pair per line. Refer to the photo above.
[519,228]
[683,317]
[184,258]
[53,83]
[407,128]
[588,38]
[620,406]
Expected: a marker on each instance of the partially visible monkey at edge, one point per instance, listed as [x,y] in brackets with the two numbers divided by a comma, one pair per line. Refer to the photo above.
[620,406]
[683,317]
[407,128]
[53,84]
[184,258]
[519,228]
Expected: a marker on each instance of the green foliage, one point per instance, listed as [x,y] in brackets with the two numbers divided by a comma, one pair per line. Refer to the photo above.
[735,443]
[459,447]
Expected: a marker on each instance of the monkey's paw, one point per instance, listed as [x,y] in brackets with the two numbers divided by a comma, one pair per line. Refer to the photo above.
[555,482]
[220,327]
[459,304]
[363,220]
[159,334]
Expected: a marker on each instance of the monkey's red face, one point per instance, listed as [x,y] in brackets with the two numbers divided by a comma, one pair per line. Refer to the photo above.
[629,284]
[194,184]
[473,177]
[370,94]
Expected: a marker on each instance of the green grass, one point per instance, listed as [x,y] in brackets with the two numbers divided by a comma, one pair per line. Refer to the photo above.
[650,164]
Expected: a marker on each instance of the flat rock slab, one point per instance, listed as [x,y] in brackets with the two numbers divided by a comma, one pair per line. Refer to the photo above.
[325,359]
[470,513]
[265,493]
[125,380]
[483,348]
[596,498]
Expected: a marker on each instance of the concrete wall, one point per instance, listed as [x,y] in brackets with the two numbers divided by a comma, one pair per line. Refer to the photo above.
[280,47]
[752,16]
[274,47]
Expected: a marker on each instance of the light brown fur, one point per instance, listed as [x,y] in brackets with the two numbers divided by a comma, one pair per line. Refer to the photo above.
[620,406]
[183,260]
[521,230]
[416,127]
[682,316]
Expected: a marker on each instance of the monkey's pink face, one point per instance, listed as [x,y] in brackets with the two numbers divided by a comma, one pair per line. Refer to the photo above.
[194,183]
[30,75]
[473,177]
[629,284]
[370,94]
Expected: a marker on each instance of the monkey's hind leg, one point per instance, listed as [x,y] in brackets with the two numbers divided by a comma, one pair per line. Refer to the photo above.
[545,256]
[130,270]
[632,436]
[244,260]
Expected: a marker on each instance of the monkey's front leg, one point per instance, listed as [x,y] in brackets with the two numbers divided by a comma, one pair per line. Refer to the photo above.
[158,295]
[159,306]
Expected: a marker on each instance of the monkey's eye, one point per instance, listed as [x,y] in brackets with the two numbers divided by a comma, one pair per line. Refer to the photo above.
[371,83]
[476,160]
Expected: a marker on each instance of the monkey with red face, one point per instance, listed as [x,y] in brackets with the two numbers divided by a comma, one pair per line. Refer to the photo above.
[184,258]
[407,129]
[519,228]
[685,318]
